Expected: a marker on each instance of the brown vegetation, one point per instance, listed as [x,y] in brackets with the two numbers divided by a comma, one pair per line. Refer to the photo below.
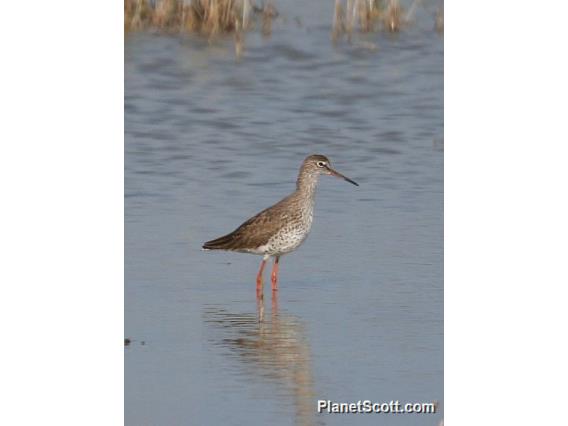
[137,14]
[440,19]
[207,17]
[369,15]
[214,17]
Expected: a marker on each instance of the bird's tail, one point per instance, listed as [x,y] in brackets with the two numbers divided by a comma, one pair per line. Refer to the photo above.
[221,243]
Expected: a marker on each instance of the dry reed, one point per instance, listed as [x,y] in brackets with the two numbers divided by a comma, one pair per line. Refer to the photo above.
[440,19]
[215,17]
[268,13]
[369,15]
[206,17]
[392,16]
[203,16]
[338,26]
[137,14]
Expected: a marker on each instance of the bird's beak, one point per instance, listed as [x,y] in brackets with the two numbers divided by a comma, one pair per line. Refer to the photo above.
[339,175]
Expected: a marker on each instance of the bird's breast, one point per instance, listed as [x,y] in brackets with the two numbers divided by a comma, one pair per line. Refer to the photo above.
[292,234]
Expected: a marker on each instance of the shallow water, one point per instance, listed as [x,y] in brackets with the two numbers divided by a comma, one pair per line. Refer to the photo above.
[211,141]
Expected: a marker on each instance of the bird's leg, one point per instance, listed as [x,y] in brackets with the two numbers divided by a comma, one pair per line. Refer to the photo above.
[274,276]
[259,286]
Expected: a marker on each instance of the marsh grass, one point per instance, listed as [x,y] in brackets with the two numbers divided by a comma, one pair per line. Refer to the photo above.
[268,13]
[392,16]
[202,16]
[206,17]
[440,19]
[137,14]
[211,18]
[368,16]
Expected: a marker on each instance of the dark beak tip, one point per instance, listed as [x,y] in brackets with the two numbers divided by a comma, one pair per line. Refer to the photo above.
[339,175]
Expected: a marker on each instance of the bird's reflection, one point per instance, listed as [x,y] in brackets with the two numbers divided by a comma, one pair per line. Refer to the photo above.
[269,346]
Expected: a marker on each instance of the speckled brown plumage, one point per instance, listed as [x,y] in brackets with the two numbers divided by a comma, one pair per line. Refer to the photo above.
[284,226]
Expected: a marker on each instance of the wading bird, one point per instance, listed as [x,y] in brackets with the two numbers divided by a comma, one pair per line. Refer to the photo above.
[280,229]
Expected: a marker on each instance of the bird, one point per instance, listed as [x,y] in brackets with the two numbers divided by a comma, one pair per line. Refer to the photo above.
[283,227]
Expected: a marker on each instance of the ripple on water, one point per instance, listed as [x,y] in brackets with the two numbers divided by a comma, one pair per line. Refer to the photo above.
[236,175]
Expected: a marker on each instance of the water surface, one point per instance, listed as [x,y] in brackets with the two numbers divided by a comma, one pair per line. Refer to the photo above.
[211,141]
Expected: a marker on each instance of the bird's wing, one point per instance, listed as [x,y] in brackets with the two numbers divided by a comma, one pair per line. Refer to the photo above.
[255,232]
[258,230]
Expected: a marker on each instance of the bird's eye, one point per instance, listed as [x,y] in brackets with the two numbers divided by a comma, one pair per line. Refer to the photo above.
[320,164]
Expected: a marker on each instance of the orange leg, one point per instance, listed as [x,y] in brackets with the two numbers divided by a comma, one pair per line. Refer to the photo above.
[274,276]
[259,283]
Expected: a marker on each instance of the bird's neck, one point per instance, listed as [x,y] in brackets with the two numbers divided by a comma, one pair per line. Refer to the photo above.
[307,185]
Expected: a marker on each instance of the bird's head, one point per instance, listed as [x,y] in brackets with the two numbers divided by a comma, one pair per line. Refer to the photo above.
[317,164]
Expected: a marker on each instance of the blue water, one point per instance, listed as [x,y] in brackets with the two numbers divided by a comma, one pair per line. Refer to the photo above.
[209,142]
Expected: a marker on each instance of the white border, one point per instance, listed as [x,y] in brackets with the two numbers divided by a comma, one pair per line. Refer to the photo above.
[506,213]
[61,174]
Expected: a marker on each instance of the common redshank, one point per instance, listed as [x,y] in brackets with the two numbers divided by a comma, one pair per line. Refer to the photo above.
[280,229]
